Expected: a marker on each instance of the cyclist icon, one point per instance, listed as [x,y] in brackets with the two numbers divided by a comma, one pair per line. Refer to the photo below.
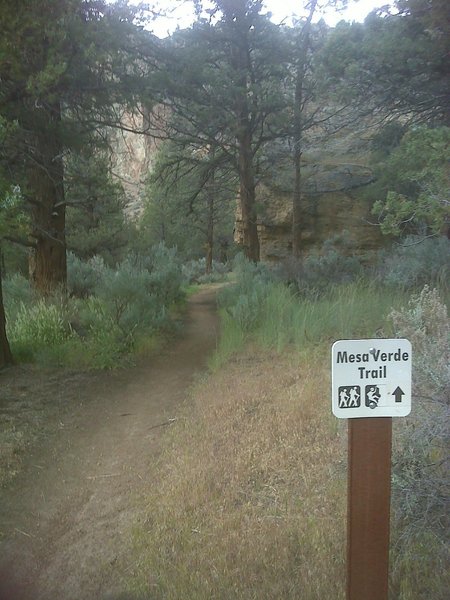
[372,396]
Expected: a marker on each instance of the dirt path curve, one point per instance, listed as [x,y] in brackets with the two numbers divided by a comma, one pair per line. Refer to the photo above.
[66,519]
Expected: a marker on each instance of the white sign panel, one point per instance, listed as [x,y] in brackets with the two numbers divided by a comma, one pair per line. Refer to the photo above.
[371,378]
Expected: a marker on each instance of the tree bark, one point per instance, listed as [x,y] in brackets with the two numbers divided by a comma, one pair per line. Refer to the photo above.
[46,191]
[5,351]
[247,197]
[297,204]
[210,228]
[302,66]
[235,13]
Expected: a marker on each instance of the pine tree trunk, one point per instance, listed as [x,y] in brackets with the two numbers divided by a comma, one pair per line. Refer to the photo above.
[240,58]
[46,192]
[299,101]
[297,209]
[210,231]
[247,194]
[5,351]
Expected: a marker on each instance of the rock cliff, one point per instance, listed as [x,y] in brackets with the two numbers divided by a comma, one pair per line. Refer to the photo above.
[334,175]
[133,156]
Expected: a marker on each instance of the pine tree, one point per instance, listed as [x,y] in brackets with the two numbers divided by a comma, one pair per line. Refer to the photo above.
[223,93]
[67,70]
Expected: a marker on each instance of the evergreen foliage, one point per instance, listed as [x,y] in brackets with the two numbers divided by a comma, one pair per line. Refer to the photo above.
[189,203]
[413,182]
[397,63]
[96,224]
[68,69]
[223,88]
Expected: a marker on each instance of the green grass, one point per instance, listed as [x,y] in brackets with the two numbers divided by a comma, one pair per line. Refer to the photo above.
[346,312]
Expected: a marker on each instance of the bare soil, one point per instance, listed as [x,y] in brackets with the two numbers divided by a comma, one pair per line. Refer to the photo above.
[66,518]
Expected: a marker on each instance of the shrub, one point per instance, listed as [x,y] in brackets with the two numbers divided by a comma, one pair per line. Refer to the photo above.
[244,301]
[416,262]
[83,276]
[195,271]
[126,299]
[139,293]
[165,269]
[166,277]
[420,461]
[313,275]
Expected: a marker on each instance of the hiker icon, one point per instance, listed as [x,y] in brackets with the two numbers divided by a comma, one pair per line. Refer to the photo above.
[349,396]
[355,397]
[373,396]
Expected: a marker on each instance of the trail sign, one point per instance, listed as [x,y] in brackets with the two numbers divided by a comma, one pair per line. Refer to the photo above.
[371,378]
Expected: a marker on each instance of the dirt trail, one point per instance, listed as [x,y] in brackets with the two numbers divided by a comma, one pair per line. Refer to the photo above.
[66,519]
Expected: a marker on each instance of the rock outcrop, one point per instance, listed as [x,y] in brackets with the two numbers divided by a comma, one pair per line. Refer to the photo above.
[134,155]
[334,176]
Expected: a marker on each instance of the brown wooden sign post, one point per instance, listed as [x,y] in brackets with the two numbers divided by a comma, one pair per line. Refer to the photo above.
[369,494]
[371,382]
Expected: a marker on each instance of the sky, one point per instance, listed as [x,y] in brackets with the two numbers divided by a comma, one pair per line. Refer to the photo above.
[282,10]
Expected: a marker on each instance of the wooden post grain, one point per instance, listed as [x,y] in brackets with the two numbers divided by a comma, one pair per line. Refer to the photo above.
[369,493]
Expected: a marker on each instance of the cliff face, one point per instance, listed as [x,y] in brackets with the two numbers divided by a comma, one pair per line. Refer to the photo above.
[333,177]
[134,155]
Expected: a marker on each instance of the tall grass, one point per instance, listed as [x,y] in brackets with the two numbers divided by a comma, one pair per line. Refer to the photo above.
[281,318]
[278,319]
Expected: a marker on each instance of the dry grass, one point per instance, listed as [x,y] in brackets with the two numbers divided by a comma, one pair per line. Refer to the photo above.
[250,501]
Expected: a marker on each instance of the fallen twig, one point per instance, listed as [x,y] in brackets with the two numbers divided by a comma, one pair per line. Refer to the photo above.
[24,533]
[169,422]
[108,475]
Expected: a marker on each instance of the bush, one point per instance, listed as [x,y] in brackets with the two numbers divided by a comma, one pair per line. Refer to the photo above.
[315,274]
[127,300]
[98,324]
[166,275]
[244,301]
[139,293]
[416,262]
[83,276]
[420,460]
[195,271]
